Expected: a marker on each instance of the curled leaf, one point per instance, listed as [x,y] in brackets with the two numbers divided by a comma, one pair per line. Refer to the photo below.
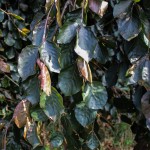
[4,67]
[44,77]
[21,113]
[84,69]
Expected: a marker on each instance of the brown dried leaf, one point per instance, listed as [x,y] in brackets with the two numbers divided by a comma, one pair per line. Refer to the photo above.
[44,77]
[21,113]
[98,7]
[4,67]
[84,69]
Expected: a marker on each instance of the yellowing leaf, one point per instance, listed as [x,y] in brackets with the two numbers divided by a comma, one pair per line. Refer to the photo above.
[21,113]
[16,16]
[4,67]
[57,2]
[44,77]
[84,69]
[25,30]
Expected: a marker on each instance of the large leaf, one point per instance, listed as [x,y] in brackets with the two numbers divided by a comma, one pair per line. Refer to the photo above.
[50,54]
[84,115]
[122,8]
[129,27]
[44,78]
[92,141]
[52,105]
[67,32]
[27,61]
[95,95]
[32,94]
[69,81]
[21,113]
[87,50]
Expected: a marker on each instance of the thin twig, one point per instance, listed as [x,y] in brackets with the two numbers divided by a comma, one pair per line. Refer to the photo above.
[11,80]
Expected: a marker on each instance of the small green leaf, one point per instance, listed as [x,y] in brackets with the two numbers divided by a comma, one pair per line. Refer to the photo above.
[32,94]
[9,40]
[38,114]
[50,54]
[69,81]
[92,141]
[84,115]
[16,16]
[27,61]
[137,1]
[95,95]
[52,105]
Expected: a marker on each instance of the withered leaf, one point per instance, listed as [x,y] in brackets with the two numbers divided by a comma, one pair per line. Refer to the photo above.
[84,69]
[21,113]
[57,3]
[44,78]
[4,67]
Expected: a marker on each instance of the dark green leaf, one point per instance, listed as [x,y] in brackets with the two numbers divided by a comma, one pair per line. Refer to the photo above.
[69,81]
[27,61]
[129,27]
[9,40]
[92,141]
[50,54]
[84,115]
[67,32]
[1,16]
[38,114]
[52,105]
[87,50]
[95,95]
[32,94]
[56,139]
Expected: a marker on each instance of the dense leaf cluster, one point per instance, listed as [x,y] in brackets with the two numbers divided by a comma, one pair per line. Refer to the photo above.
[70,69]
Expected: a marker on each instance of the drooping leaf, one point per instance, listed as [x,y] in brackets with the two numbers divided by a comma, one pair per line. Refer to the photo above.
[56,139]
[32,94]
[21,113]
[95,95]
[48,4]
[50,54]
[69,81]
[27,61]
[38,114]
[44,78]
[4,67]
[92,141]
[84,115]
[67,32]
[98,7]
[84,69]
[31,135]
[122,8]
[52,105]
[87,50]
